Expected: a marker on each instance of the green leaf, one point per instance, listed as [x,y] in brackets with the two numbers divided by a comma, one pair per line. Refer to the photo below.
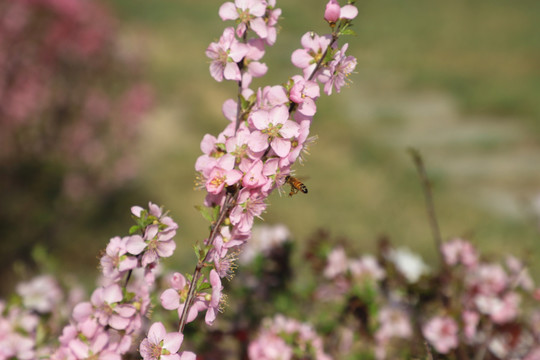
[205,212]
[348,31]
[203,287]
[197,250]
[133,229]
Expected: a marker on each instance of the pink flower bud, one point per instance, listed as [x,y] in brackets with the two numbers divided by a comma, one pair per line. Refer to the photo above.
[331,14]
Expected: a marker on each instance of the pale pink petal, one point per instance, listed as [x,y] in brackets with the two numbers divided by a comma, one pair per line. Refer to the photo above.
[259,26]
[257,8]
[301,58]
[137,210]
[118,322]
[82,311]
[216,70]
[112,294]
[156,333]
[172,341]
[148,258]
[151,232]
[349,12]
[257,69]
[232,72]
[228,11]
[258,141]
[170,357]
[127,264]
[135,245]
[79,348]
[290,129]
[281,146]
[125,310]
[260,119]
[207,144]
[165,248]
[170,299]
[233,177]
[229,109]
[188,355]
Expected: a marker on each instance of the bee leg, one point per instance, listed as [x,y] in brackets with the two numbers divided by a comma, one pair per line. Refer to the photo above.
[293,191]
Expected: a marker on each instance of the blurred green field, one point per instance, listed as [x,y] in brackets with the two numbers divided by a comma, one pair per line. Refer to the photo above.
[458,80]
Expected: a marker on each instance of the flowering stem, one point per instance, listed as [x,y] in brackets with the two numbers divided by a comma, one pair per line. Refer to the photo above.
[229,200]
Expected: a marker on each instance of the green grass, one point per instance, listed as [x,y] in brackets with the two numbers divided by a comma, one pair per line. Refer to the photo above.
[435,75]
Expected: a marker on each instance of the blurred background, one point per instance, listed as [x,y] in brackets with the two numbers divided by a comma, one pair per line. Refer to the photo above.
[104,104]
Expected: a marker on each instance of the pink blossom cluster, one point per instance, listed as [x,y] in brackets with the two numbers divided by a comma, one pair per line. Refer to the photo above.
[343,273]
[106,325]
[30,319]
[482,302]
[53,106]
[491,294]
[20,322]
[283,338]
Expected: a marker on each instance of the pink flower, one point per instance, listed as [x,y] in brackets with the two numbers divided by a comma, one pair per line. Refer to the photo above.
[394,322]
[366,267]
[225,55]
[223,173]
[253,176]
[273,126]
[249,12]
[270,97]
[305,93]
[282,337]
[308,57]
[107,307]
[161,345]
[458,251]
[250,203]
[337,263]
[172,297]
[335,75]
[334,12]
[155,244]
[116,261]
[41,294]
[488,279]
[500,309]
[238,146]
[175,297]
[441,332]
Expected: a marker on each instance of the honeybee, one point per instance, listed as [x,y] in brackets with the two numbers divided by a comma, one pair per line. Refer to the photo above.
[295,185]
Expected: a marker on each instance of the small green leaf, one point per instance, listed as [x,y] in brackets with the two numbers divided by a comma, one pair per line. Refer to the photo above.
[205,212]
[133,229]
[203,287]
[197,250]
[348,31]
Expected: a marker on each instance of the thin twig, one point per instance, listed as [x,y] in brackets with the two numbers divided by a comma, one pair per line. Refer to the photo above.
[428,350]
[430,207]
